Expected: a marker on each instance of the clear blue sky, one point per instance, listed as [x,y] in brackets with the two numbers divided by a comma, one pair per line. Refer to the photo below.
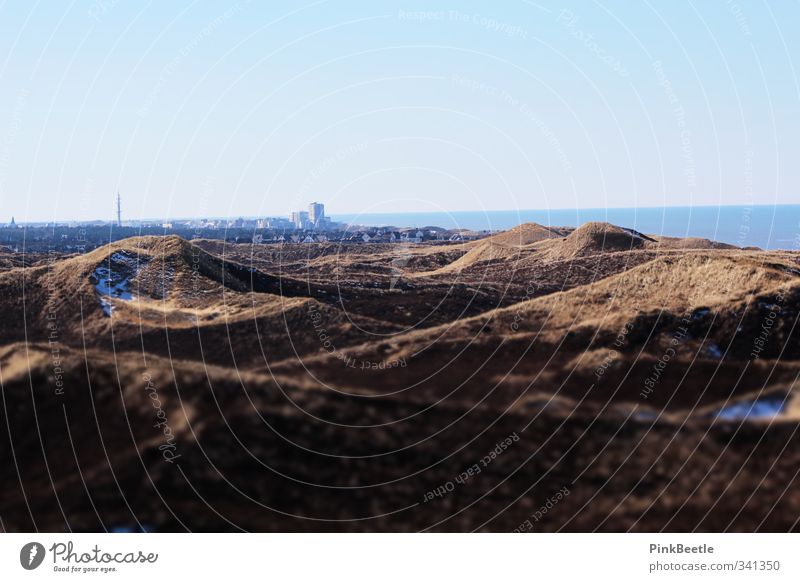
[207,108]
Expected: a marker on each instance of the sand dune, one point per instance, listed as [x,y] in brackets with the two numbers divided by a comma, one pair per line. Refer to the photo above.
[315,387]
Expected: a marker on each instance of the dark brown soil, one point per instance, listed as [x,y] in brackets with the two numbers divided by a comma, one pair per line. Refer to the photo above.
[538,380]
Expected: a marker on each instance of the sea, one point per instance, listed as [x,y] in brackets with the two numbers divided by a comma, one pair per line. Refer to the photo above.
[763,226]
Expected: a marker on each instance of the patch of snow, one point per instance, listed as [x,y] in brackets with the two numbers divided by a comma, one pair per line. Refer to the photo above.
[164,286]
[633,233]
[113,279]
[105,304]
[142,528]
[645,415]
[761,408]
[714,351]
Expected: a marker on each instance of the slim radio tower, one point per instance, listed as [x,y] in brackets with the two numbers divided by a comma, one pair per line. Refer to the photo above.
[119,211]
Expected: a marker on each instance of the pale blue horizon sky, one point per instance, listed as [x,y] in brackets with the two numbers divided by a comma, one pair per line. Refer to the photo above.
[212,109]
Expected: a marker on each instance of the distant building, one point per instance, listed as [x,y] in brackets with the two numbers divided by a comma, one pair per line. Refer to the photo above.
[300,220]
[313,219]
[278,223]
[316,213]
[13,223]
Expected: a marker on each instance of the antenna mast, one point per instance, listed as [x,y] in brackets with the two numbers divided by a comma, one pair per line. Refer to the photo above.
[119,211]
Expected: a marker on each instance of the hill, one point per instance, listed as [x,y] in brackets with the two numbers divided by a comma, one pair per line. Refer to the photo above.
[162,384]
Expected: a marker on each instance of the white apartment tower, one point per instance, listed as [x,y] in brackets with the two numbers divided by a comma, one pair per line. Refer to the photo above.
[316,212]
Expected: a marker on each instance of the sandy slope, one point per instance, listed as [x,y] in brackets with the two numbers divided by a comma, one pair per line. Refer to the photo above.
[318,387]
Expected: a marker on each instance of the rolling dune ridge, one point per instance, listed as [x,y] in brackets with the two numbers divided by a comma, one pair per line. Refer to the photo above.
[168,385]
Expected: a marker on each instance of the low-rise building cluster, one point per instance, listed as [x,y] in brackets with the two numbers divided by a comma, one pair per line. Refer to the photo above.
[311,226]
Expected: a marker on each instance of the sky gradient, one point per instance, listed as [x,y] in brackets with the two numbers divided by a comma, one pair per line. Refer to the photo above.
[239,109]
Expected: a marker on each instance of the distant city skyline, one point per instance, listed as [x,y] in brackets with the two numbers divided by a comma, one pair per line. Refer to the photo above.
[245,109]
[340,215]
[763,226]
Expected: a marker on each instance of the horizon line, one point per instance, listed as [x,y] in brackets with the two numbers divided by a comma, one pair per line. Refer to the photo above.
[407,212]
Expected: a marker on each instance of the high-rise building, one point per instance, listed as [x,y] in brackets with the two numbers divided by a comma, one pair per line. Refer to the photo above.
[316,213]
[300,219]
